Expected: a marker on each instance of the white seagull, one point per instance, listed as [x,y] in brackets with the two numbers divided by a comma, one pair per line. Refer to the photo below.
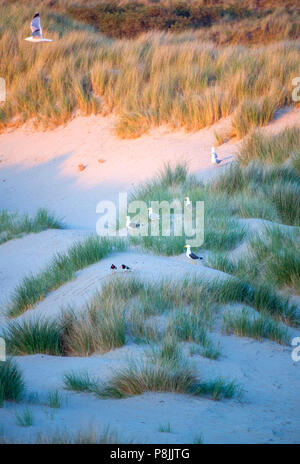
[214,157]
[190,254]
[36,30]
[187,202]
[153,216]
[132,225]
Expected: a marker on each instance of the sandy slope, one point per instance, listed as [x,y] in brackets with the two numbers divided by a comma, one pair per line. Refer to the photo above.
[40,169]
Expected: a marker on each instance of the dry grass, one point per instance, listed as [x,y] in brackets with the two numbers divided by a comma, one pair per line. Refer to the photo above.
[155,79]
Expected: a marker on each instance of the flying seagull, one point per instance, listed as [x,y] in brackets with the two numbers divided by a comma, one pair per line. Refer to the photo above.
[35,26]
[153,216]
[125,268]
[36,30]
[132,225]
[214,157]
[187,202]
[190,254]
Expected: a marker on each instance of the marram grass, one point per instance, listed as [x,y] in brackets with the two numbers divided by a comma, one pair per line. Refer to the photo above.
[180,80]
[14,225]
[35,287]
[147,377]
[12,386]
[244,324]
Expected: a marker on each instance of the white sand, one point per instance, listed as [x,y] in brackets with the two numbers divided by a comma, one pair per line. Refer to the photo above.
[39,169]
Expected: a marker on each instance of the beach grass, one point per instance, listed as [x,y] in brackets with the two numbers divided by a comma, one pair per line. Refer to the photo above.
[273,149]
[99,328]
[13,225]
[217,389]
[12,386]
[35,287]
[172,184]
[136,379]
[181,80]
[165,428]
[55,400]
[85,436]
[33,336]
[251,114]
[244,324]
[25,417]
[272,258]
[79,382]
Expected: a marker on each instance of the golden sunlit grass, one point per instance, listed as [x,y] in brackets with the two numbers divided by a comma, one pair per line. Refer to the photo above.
[157,78]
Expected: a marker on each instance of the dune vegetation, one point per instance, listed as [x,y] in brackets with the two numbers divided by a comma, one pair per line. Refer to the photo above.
[34,288]
[220,21]
[12,384]
[14,225]
[180,80]
[183,64]
[258,190]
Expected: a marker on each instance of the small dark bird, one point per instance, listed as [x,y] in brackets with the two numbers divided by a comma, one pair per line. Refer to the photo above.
[113,267]
[125,268]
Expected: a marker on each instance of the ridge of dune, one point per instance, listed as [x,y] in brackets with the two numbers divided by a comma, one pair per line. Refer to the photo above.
[41,168]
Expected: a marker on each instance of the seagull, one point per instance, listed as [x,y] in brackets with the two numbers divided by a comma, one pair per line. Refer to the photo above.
[132,225]
[36,30]
[190,254]
[187,202]
[125,268]
[35,26]
[113,267]
[153,216]
[214,157]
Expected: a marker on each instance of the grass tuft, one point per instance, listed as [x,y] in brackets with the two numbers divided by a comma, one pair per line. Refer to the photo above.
[270,148]
[25,418]
[89,436]
[244,324]
[34,288]
[12,385]
[33,337]
[14,225]
[139,378]
[80,382]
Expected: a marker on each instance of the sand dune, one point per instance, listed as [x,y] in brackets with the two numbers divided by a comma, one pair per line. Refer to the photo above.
[41,169]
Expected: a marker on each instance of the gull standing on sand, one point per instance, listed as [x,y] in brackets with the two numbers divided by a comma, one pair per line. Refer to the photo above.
[214,156]
[190,254]
[132,225]
[153,216]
